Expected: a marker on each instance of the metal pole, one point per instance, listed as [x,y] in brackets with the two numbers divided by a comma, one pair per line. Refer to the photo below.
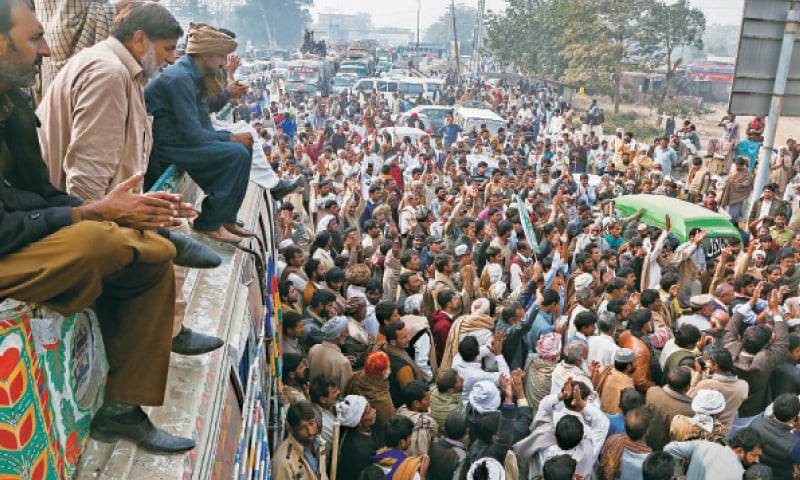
[455,41]
[418,8]
[781,75]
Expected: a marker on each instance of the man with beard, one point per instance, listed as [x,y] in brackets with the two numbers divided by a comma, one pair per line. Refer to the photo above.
[737,190]
[302,454]
[58,252]
[217,160]
[295,377]
[95,131]
[712,461]
[359,440]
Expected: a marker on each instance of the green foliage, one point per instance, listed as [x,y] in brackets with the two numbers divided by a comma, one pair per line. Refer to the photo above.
[589,43]
[442,30]
[281,20]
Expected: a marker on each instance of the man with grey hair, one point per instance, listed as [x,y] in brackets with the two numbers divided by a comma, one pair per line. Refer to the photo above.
[723,296]
[585,297]
[602,347]
[571,366]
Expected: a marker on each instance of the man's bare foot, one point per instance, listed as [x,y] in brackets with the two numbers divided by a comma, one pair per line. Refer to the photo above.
[222,235]
[238,231]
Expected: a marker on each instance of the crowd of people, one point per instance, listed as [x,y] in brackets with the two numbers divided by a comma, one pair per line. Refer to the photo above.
[428,333]
[445,342]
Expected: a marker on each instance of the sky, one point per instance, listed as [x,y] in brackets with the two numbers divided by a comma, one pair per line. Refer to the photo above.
[403,13]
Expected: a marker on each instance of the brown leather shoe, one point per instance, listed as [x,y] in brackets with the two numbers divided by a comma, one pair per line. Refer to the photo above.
[238,231]
[223,235]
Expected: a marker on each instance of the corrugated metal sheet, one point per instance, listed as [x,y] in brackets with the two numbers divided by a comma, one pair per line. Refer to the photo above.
[760,41]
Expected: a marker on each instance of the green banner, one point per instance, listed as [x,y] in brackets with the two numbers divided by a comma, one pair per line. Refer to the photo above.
[527,226]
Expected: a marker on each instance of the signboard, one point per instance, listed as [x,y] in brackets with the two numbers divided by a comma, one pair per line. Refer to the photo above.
[761,36]
[527,225]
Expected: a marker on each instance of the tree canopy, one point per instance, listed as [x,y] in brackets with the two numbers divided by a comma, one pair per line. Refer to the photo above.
[441,31]
[590,43]
[283,20]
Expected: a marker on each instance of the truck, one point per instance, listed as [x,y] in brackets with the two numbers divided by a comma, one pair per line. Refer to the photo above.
[308,77]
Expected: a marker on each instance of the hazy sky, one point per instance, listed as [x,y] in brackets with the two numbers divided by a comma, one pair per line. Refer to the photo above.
[403,13]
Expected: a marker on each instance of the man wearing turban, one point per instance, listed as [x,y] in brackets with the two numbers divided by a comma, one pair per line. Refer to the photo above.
[359,441]
[327,357]
[218,161]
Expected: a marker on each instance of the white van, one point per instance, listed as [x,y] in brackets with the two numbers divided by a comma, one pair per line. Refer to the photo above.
[466,117]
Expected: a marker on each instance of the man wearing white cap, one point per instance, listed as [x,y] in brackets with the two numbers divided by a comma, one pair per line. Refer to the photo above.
[613,379]
[704,425]
[702,307]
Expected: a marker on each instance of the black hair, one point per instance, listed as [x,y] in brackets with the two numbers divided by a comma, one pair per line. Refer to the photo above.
[372,472]
[585,319]
[384,311]
[486,426]
[415,390]
[649,296]
[503,227]
[747,439]
[679,378]
[335,274]
[668,280]
[456,425]
[786,407]
[322,297]
[639,318]
[687,335]
[290,363]
[446,379]
[758,471]
[291,320]
[550,297]
[636,423]
[468,348]
[755,338]
[561,467]
[303,410]
[629,399]
[390,330]
[443,297]
[722,358]
[569,432]
[311,266]
[283,288]
[320,386]
[373,284]
[149,17]
[658,466]
[396,430]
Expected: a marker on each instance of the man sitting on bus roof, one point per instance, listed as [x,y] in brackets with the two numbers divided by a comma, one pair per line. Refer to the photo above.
[57,252]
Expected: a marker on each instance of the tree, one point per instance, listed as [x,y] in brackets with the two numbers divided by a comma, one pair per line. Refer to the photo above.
[442,30]
[281,21]
[664,33]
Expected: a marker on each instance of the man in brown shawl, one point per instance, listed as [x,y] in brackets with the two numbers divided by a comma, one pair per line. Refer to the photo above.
[737,189]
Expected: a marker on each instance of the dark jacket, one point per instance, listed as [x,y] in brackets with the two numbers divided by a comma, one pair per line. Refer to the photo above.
[30,207]
[755,370]
[506,433]
[779,446]
[785,379]
[446,455]
[515,348]
[356,451]
[176,100]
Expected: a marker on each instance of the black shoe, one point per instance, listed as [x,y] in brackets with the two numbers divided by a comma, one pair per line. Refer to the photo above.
[285,187]
[191,253]
[110,428]
[188,342]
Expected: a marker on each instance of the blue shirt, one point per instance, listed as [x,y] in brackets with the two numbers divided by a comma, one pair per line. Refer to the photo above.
[450,133]
[176,100]
[541,326]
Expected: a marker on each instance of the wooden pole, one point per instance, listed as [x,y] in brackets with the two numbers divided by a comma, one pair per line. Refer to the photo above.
[335,450]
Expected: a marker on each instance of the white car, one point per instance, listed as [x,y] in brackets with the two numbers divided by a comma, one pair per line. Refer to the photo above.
[401,132]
